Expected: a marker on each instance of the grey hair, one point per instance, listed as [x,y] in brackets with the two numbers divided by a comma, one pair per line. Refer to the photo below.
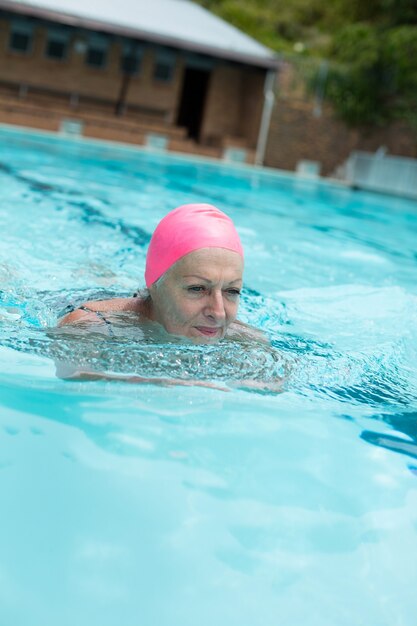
[145,295]
[159,282]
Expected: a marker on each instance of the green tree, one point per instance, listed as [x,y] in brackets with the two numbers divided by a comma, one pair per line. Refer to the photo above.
[373,77]
[371,47]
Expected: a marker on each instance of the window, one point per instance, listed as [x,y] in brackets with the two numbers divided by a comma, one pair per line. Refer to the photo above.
[95,57]
[131,58]
[57,44]
[21,36]
[97,49]
[164,66]
[163,71]
[130,64]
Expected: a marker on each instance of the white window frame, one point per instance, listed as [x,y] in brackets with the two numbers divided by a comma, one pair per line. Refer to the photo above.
[98,43]
[61,36]
[168,58]
[134,49]
[21,27]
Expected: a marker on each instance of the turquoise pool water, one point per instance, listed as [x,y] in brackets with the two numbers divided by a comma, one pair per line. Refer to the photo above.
[145,505]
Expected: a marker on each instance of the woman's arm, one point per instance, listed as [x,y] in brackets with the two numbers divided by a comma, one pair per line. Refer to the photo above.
[81,375]
[245,385]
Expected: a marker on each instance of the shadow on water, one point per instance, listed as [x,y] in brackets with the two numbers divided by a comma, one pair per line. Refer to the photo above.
[405,423]
[385,391]
[87,213]
[66,408]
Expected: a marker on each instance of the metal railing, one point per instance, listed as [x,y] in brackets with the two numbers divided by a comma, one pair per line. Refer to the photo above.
[383,173]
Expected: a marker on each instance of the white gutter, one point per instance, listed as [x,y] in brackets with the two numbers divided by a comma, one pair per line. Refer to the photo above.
[269,100]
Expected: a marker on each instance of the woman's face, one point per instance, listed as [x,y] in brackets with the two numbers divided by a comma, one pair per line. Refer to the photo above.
[198,296]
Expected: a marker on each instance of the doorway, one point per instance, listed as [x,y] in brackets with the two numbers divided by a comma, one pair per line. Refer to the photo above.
[193,97]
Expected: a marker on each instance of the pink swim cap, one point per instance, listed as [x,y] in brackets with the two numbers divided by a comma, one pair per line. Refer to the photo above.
[185,229]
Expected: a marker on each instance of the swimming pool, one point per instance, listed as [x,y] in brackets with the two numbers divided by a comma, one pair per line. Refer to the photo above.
[183,505]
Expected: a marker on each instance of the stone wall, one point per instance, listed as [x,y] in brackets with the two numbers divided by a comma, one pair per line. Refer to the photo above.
[302,128]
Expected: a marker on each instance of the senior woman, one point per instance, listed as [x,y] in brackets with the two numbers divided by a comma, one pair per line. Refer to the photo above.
[194,275]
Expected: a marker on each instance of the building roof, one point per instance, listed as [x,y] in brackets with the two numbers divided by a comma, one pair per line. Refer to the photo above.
[178,23]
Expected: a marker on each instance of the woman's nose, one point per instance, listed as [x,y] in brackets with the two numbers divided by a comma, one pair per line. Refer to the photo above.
[215,306]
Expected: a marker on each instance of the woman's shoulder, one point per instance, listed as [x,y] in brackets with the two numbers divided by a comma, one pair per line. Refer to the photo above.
[87,311]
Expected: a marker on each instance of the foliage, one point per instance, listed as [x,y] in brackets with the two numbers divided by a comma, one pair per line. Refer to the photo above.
[275,23]
[375,78]
[371,46]
[376,12]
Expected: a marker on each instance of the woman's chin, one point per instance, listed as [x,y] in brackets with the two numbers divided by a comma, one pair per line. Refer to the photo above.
[199,335]
[205,340]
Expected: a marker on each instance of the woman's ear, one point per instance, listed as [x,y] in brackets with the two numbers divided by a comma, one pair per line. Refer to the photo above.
[150,301]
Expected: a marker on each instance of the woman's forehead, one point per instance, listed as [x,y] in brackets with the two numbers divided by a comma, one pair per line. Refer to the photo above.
[210,263]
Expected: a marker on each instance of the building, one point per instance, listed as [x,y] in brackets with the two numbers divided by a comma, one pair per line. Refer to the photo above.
[166,73]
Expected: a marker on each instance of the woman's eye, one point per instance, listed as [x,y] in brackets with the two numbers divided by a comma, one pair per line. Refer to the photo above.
[195,288]
[233,292]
